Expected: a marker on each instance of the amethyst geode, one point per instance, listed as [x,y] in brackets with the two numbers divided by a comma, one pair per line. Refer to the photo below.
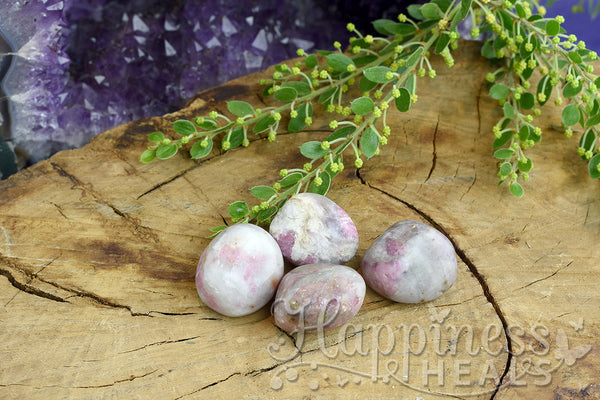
[410,263]
[311,228]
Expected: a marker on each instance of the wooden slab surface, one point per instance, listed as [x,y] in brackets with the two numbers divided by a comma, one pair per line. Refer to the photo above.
[98,254]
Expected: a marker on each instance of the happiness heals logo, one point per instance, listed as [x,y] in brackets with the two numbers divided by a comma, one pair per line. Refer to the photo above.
[437,358]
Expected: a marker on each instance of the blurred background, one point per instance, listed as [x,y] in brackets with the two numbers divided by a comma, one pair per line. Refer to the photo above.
[70,69]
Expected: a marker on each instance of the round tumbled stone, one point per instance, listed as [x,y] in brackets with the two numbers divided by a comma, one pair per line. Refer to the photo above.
[411,262]
[239,270]
[310,228]
[318,296]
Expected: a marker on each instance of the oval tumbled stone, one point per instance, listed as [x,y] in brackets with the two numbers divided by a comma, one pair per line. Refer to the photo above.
[310,228]
[410,263]
[239,270]
[318,296]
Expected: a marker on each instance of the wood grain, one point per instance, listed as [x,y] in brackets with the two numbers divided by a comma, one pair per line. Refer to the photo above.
[98,255]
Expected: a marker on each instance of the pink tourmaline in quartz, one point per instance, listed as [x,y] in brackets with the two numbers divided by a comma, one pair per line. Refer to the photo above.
[410,263]
[318,296]
[239,270]
[310,228]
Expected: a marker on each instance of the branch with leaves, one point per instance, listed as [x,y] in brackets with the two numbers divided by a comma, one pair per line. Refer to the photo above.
[386,69]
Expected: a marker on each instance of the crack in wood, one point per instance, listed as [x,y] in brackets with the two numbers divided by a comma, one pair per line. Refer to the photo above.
[546,277]
[434,151]
[472,268]
[159,344]
[27,288]
[209,385]
[136,228]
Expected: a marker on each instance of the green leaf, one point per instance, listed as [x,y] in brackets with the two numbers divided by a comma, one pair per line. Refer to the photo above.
[381,26]
[216,231]
[521,11]
[414,10]
[570,115]
[239,108]
[328,95]
[341,133]
[323,188]
[184,127]
[377,74]
[339,62]
[487,50]
[509,111]
[502,140]
[504,154]
[286,94]
[238,209]
[403,101]
[311,61]
[545,87]
[401,29]
[526,166]
[197,151]
[593,166]
[364,60]
[264,124]
[156,137]
[369,142]
[301,87]
[499,91]
[527,101]
[525,132]
[297,124]
[206,124]
[290,180]
[411,83]
[465,5]
[263,192]
[592,121]
[442,43]
[552,27]
[505,168]
[166,151]
[442,4]
[366,85]
[313,150]
[587,140]
[431,11]
[236,137]
[516,189]
[148,155]
[571,91]
[362,106]
[575,57]
[414,57]
[266,214]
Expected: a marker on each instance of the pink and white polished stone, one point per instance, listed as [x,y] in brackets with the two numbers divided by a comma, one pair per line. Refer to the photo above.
[310,228]
[239,270]
[318,296]
[410,263]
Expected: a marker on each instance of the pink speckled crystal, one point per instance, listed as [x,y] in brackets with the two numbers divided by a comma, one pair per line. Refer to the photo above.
[410,263]
[318,296]
[311,228]
[239,270]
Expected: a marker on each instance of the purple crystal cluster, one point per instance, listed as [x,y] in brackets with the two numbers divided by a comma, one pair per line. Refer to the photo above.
[80,67]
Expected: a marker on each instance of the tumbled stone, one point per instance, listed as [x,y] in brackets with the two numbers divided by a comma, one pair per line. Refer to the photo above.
[239,270]
[410,263]
[318,296]
[311,228]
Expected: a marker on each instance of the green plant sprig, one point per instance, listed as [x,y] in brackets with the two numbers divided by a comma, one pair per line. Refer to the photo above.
[525,43]
[386,71]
